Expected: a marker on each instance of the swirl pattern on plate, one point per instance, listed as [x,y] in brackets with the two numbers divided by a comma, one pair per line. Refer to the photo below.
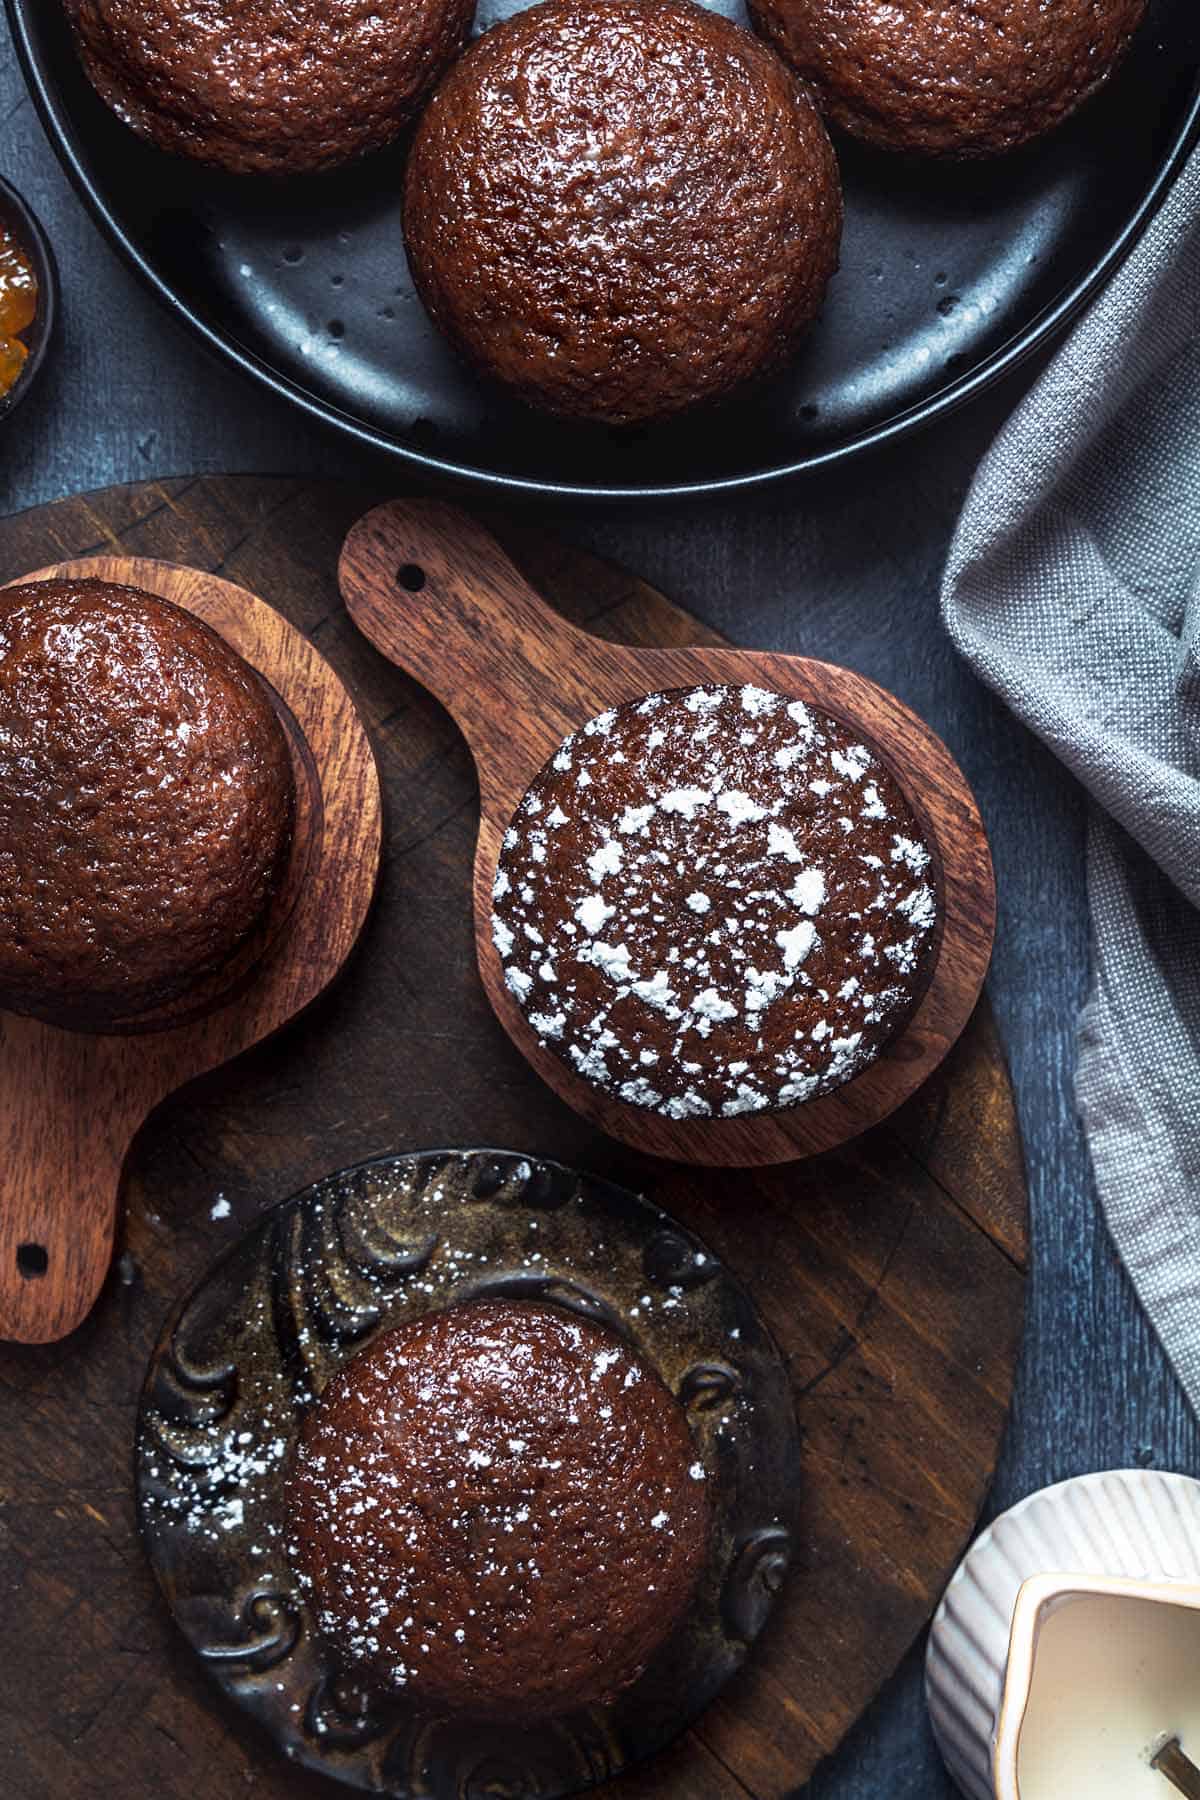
[301,1293]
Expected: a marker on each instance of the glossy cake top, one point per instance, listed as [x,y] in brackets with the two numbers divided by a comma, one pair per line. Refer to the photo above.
[267,87]
[498,1506]
[957,78]
[146,801]
[621,208]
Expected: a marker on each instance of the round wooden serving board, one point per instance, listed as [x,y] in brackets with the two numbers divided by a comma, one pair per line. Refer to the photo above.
[891,1272]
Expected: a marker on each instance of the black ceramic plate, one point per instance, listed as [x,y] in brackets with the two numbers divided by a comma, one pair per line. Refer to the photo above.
[302,1292]
[949,276]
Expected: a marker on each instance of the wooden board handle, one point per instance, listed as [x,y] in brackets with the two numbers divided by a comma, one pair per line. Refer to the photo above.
[432,589]
[68,1111]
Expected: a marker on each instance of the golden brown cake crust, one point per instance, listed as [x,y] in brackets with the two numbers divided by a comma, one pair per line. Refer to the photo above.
[276,87]
[950,77]
[620,208]
[146,801]
[498,1508]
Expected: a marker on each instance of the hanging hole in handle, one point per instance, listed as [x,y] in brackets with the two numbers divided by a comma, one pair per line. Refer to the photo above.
[412,577]
[32,1261]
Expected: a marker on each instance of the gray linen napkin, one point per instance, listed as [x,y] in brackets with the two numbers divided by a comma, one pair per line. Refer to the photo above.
[1073,589]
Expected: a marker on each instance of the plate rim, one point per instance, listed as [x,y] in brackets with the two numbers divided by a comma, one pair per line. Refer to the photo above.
[1042,330]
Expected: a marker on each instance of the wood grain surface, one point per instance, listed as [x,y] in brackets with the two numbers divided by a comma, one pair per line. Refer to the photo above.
[892,1271]
[432,589]
[845,567]
[70,1103]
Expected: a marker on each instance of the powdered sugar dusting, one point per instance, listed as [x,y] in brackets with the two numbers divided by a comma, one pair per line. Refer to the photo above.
[739,892]
[477,1476]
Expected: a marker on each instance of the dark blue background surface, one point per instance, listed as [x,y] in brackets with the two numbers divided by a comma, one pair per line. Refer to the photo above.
[846,567]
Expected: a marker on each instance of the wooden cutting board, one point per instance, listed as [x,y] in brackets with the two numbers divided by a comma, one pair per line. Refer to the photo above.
[891,1272]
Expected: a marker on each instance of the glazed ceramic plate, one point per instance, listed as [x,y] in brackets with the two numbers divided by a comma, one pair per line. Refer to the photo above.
[307,1288]
[949,277]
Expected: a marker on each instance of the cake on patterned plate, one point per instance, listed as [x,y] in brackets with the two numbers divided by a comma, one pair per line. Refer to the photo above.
[499,1510]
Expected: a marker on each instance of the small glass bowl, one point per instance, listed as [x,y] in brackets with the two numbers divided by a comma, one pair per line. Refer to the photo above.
[17,216]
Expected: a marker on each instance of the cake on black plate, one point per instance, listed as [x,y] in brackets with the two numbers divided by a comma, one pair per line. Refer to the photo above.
[267,87]
[146,802]
[622,208]
[958,78]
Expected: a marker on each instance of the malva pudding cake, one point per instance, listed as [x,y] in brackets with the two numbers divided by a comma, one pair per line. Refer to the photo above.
[716,901]
[622,208]
[498,1510]
[267,87]
[958,78]
[146,802]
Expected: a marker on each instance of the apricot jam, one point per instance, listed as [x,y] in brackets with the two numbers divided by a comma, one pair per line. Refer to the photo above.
[18,307]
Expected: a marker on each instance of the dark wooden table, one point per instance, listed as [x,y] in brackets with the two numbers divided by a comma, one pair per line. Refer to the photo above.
[847,568]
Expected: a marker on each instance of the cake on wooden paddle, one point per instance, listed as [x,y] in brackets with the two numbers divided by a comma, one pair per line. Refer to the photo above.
[716,901]
[146,802]
[498,1510]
